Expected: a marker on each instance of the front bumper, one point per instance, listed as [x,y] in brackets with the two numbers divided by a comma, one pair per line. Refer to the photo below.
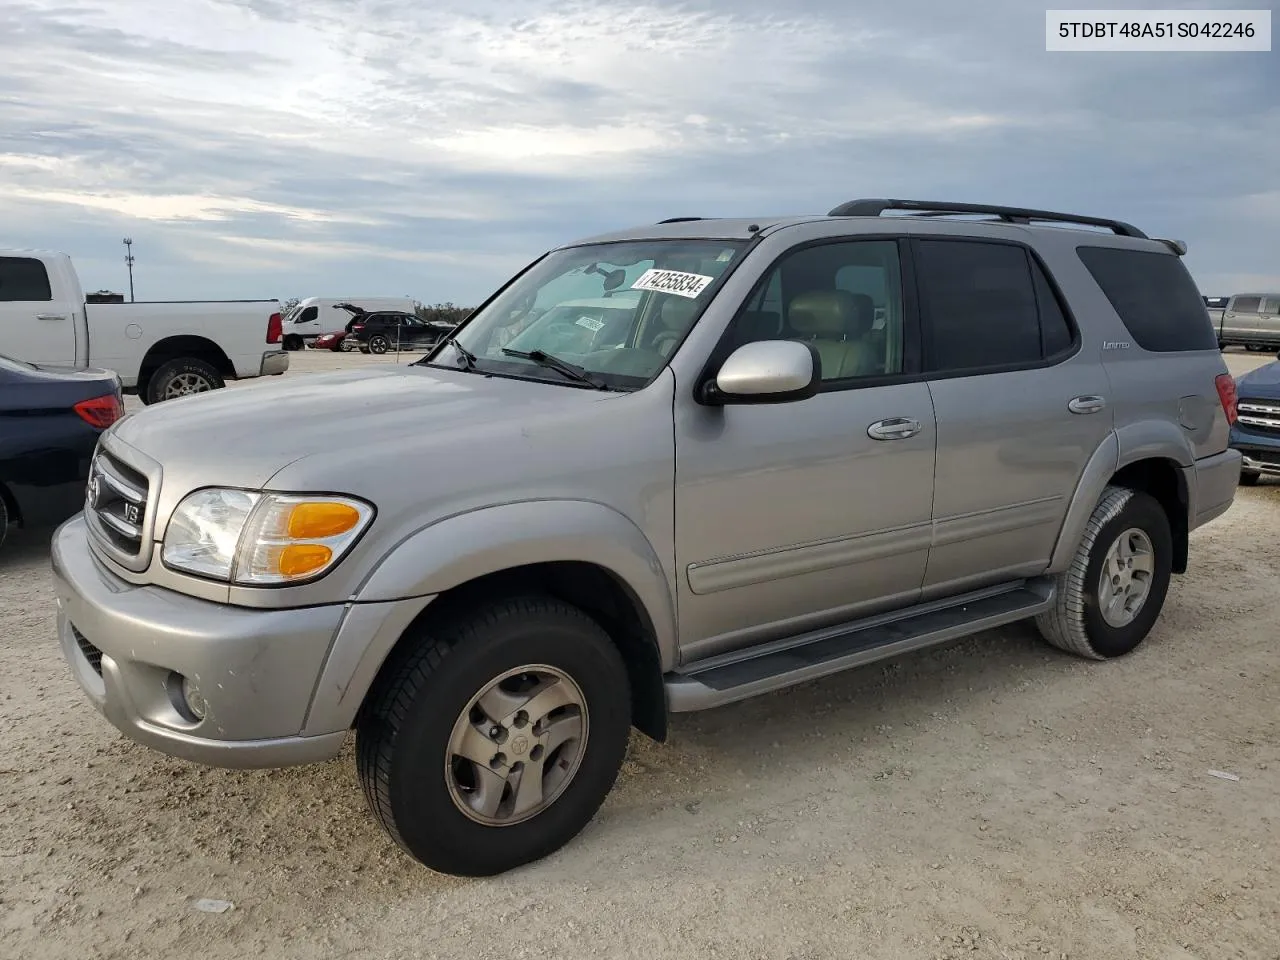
[129,646]
[1260,449]
[274,363]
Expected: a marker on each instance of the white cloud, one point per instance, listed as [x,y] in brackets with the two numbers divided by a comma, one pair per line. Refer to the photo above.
[386,138]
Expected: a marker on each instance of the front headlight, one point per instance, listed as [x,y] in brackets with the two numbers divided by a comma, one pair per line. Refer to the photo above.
[262,539]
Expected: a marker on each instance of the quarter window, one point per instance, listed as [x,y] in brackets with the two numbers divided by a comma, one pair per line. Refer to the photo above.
[1154,296]
[1246,305]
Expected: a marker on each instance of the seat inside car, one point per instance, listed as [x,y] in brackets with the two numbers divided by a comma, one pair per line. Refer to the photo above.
[838,324]
[674,318]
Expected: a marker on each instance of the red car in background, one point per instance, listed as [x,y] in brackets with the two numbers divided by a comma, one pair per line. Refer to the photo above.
[333,341]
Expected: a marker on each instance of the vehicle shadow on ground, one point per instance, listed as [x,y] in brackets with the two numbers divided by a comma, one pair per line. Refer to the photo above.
[25,546]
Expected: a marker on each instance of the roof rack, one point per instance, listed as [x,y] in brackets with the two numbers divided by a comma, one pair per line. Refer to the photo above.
[929,208]
[679,220]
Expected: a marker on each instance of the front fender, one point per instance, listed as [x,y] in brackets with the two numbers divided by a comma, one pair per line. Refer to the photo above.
[460,548]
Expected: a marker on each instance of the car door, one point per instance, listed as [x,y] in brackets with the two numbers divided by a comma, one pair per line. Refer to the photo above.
[1270,320]
[1021,408]
[797,515]
[1241,320]
[33,326]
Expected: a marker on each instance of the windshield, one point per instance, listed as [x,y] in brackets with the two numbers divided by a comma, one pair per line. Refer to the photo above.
[616,310]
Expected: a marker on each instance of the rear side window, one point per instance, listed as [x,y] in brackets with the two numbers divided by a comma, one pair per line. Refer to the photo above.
[1246,305]
[987,305]
[23,279]
[1154,296]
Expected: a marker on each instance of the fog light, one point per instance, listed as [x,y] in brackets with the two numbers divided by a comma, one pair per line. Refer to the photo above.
[185,698]
[191,696]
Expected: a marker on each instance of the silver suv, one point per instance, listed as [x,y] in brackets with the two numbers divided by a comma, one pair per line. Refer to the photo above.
[658,471]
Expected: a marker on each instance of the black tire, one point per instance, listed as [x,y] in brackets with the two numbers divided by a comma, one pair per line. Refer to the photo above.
[379,344]
[4,519]
[1075,622]
[337,347]
[199,375]
[364,348]
[402,735]
[1249,478]
[293,342]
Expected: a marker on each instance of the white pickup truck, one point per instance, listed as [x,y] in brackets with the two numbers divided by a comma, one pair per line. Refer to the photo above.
[160,350]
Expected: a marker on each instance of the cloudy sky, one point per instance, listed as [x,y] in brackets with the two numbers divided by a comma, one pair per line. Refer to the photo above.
[279,148]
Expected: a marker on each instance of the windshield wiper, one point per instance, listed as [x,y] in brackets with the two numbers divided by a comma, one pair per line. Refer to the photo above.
[570,370]
[468,358]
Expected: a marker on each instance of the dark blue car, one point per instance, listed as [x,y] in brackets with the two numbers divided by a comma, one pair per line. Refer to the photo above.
[50,421]
[1256,432]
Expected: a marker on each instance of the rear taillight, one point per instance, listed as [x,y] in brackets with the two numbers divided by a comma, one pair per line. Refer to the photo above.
[274,329]
[358,326]
[1227,394]
[100,412]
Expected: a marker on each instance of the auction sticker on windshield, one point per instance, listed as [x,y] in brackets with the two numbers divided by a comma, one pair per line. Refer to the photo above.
[672,281]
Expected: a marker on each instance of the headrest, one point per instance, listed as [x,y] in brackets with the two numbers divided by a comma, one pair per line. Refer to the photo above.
[824,313]
[677,313]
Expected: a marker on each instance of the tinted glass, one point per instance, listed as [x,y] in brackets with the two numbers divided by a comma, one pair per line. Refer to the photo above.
[309,314]
[1155,297]
[844,298]
[979,304]
[1055,332]
[23,279]
[1246,305]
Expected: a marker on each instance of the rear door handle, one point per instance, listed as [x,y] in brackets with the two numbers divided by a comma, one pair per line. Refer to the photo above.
[50,316]
[895,428]
[1086,404]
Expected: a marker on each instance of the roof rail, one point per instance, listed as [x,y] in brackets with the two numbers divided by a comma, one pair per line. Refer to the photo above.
[929,208]
[679,220]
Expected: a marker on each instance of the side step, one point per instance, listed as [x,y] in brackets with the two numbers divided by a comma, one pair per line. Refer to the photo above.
[775,666]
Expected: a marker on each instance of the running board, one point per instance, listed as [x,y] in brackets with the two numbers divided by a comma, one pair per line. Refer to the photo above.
[775,666]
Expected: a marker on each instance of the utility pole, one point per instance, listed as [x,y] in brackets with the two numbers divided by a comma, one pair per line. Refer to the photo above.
[128,259]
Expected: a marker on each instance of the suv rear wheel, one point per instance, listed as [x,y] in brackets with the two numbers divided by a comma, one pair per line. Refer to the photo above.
[1109,598]
[495,739]
[378,344]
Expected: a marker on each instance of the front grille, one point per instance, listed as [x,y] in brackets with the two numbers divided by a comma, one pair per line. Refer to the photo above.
[91,653]
[116,502]
[1260,415]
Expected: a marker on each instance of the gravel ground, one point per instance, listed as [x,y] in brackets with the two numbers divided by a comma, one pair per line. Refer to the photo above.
[992,799]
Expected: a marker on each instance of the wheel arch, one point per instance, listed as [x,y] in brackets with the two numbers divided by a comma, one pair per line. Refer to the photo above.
[1153,460]
[179,347]
[583,553]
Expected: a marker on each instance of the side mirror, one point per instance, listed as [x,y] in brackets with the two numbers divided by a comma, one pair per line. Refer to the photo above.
[766,371]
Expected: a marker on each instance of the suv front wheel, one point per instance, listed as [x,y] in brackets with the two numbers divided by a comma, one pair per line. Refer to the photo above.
[1108,599]
[494,739]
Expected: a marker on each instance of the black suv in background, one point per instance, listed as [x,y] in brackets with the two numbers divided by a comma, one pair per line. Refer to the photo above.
[388,330]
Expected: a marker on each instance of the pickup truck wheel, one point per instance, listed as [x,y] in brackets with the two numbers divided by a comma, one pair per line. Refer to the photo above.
[293,342]
[495,739]
[4,519]
[181,378]
[378,344]
[1109,598]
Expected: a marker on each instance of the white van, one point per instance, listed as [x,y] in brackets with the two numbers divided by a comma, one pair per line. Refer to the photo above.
[316,315]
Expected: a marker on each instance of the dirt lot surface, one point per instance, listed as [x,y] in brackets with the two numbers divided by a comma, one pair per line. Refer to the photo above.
[993,799]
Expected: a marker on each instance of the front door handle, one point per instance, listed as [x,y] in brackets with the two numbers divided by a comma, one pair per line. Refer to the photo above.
[895,428]
[50,316]
[1086,404]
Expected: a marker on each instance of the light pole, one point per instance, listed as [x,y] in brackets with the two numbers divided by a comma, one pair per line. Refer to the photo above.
[128,259]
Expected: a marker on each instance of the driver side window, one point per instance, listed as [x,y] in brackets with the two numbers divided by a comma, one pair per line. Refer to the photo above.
[843,298]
